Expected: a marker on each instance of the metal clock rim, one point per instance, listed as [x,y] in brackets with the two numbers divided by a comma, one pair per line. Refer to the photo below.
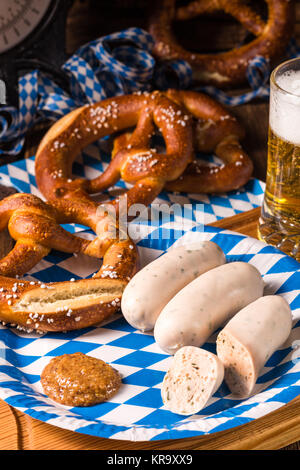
[50,13]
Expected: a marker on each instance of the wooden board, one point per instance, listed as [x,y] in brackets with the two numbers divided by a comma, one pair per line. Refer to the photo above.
[273,431]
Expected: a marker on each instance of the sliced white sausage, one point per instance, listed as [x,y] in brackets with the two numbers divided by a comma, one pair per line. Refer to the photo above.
[194,376]
[250,338]
[153,286]
[204,305]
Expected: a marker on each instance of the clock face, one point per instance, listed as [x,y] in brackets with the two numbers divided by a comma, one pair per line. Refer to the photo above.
[18,18]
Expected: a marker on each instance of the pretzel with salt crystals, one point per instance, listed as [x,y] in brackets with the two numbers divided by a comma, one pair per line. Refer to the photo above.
[58,306]
[228,68]
[61,306]
[138,164]
[215,130]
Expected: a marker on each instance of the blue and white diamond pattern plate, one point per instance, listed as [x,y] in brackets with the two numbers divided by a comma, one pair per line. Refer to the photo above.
[137,412]
[95,158]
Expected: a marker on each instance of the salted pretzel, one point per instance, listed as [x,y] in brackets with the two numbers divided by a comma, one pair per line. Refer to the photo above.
[228,68]
[138,164]
[215,130]
[58,306]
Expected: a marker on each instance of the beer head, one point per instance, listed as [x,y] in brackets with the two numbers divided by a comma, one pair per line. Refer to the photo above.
[285,101]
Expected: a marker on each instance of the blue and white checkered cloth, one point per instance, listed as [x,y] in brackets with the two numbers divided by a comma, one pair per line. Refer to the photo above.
[116,64]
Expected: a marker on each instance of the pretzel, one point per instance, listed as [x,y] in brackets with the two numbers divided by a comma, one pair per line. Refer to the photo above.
[70,201]
[229,68]
[215,130]
[138,164]
[57,306]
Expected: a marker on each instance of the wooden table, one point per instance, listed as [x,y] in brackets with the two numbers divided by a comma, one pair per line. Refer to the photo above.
[274,431]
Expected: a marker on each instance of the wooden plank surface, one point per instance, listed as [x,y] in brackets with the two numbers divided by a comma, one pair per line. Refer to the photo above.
[88,20]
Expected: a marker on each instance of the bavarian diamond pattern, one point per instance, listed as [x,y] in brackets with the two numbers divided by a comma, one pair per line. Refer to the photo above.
[136,412]
[198,208]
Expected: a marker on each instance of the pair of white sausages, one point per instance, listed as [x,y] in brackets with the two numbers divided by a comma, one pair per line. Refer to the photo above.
[188,293]
[205,304]
[154,286]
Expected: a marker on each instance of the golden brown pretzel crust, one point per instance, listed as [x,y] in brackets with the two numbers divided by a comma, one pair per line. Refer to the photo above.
[227,68]
[57,306]
[138,164]
[215,130]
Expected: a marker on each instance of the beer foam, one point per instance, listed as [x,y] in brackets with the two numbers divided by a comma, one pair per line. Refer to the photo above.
[285,106]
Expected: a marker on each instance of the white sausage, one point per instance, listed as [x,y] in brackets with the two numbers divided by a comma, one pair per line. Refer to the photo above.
[153,286]
[194,376]
[250,338]
[205,304]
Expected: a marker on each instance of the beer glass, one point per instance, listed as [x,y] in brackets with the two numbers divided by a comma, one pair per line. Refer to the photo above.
[279,223]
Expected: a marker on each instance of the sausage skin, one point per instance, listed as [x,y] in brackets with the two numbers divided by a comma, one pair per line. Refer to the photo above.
[194,376]
[153,286]
[250,338]
[205,304]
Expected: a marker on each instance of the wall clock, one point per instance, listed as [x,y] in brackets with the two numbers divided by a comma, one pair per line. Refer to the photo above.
[32,35]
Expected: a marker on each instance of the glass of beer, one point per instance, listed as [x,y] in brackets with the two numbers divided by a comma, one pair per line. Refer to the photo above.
[279,223]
